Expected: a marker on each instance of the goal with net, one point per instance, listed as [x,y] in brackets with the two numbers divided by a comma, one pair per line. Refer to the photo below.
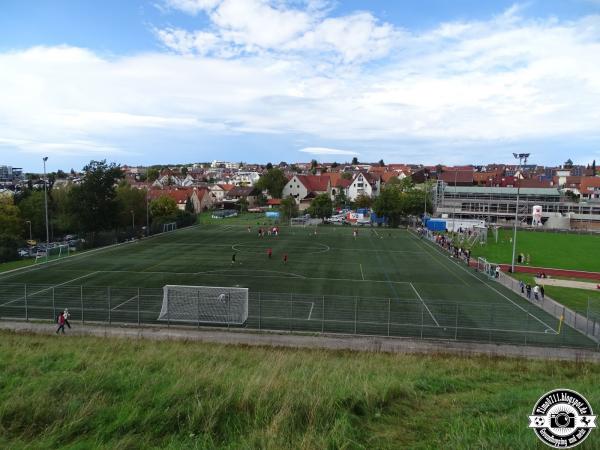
[204,304]
[172,226]
[299,221]
[486,267]
[52,253]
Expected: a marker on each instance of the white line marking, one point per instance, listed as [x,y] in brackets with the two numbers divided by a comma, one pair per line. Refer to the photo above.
[500,293]
[48,288]
[126,301]
[361,272]
[425,305]
[312,305]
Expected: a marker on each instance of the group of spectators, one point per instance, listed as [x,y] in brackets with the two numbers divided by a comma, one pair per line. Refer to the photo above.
[527,289]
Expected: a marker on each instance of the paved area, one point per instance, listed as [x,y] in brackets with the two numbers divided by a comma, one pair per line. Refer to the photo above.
[329,342]
[567,283]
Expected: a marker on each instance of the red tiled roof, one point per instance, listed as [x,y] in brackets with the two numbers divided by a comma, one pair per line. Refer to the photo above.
[458,176]
[179,195]
[588,184]
[226,187]
[274,201]
[316,183]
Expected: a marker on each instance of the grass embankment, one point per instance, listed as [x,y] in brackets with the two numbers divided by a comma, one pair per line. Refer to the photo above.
[109,393]
[546,249]
[575,299]
[16,264]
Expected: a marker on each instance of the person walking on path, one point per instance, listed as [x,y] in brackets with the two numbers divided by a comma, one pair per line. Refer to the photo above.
[528,289]
[542,291]
[522,286]
[62,320]
[536,292]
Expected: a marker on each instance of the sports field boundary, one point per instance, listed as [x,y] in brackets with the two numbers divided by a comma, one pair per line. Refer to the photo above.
[335,342]
[34,267]
[430,244]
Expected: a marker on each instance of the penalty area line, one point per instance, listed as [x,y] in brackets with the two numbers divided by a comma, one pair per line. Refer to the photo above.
[425,304]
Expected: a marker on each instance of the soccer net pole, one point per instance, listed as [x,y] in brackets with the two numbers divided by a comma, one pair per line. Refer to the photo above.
[204,304]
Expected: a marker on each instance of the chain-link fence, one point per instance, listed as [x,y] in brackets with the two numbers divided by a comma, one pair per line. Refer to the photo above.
[586,321]
[490,321]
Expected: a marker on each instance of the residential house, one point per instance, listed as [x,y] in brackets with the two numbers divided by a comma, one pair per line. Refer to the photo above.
[364,183]
[303,188]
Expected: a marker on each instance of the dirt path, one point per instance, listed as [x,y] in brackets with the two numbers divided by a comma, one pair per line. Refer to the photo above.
[329,342]
[567,283]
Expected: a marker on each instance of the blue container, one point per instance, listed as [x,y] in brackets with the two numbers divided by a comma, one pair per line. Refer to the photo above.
[436,225]
[272,214]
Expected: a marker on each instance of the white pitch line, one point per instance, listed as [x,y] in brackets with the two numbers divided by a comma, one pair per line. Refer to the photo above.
[312,305]
[361,272]
[48,288]
[500,293]
[121,304]
[425,305]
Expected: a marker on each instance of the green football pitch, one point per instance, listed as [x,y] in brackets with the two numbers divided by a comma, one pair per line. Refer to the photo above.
[381,282]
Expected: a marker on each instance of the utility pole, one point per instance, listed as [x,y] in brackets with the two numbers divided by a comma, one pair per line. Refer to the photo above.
[29,222]
[426,175]
[522,157]
[45,158]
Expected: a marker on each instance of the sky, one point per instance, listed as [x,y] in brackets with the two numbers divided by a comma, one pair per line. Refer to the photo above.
[181,81]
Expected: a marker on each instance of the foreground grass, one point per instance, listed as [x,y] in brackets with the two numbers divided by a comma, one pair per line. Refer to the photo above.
[88,392]
[16,264]
[546,249]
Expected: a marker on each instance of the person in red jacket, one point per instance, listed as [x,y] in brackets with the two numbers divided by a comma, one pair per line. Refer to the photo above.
[62,320]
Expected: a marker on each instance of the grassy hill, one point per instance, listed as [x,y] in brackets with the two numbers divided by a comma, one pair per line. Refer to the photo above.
[109,393]
[546,249]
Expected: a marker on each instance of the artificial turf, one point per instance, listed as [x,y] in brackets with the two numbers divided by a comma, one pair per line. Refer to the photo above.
[382,282]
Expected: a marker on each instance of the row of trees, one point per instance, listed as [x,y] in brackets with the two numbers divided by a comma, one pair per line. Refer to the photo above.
[104,208]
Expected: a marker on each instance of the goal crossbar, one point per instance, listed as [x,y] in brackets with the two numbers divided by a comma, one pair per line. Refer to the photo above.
[204,304]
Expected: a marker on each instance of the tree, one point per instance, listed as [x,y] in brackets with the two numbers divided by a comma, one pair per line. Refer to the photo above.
[568,164]
[189,205]
[10,218]
[334,165]
[243,204]
[363,201]
[9,246]
[184,171]
[347,176]
[273,181]
[321,206]
[354,161]
[269,166]
[381,163]
[93,203]
[340,200]
[131,199]
[594,168]
[61,175]
[152,174]
[33,209]
[163,206]
[389,204]
[261,199]
[288,208]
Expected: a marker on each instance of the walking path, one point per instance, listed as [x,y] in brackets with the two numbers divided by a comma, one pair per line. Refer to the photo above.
[567,283]
[329,342]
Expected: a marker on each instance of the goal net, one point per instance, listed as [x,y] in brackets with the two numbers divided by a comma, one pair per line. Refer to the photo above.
[52,253]
[486,267]
[299,221]
[204,304]
[172,226]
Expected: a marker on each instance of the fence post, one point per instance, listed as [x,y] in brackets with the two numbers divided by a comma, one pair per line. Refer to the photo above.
[526,328]
[138,306]
[422,320]
[53,305]
[389,318]
[108,296]
[291,310]
[259,312]
[81,302]
[168,313]
[198,308]
[355,311]
[456,323]
[26,310]
[323,315]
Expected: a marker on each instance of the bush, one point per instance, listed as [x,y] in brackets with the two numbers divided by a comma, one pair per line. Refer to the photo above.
[9,246]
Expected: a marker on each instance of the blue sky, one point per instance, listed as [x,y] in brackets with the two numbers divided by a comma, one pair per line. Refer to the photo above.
[425,81]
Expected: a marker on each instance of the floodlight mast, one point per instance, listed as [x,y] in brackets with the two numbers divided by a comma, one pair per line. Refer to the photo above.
[45,158]
[522,157]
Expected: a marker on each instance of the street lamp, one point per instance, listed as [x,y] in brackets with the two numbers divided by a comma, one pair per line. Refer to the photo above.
[522,157]
[45,158]
[132,219]
[426,175]
[29,222]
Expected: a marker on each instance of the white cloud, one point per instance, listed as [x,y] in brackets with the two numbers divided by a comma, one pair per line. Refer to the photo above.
[192,6]
[466,83]
[326,151]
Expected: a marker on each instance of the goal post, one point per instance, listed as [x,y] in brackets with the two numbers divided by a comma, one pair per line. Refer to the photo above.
[486,267]
[171,226]
[204,304]
[52,253]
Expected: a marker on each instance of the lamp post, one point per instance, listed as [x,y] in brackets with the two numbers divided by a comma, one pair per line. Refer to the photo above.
[426,175]
[522,157]
[132,219]
[29,222]
[45,158]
